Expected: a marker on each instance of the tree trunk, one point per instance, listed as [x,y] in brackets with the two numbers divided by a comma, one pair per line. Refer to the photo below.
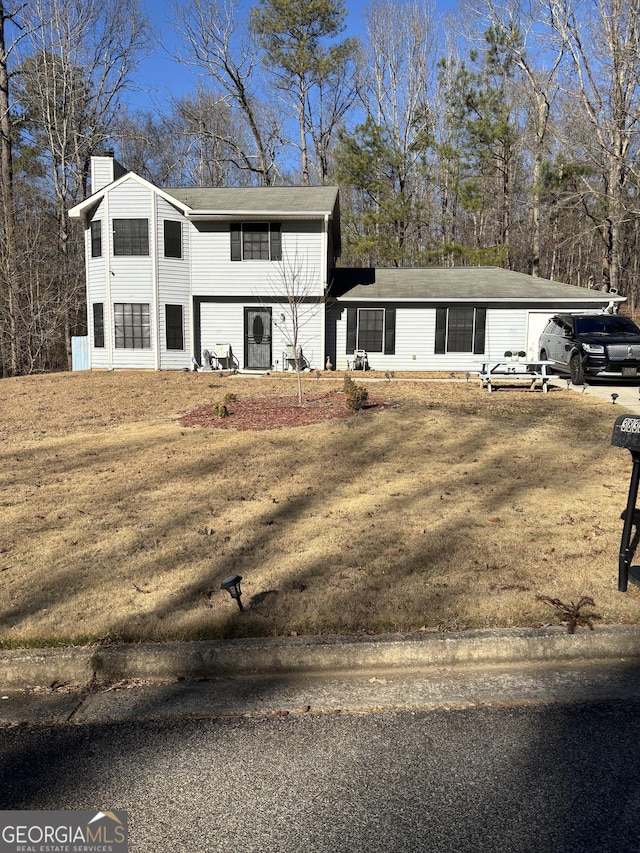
[8,202]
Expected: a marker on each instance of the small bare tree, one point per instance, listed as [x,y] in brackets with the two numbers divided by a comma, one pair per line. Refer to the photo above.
[295,287]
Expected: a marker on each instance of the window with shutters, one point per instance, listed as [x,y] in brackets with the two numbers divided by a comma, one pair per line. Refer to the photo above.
[371,329]
[256,241]
[460,329]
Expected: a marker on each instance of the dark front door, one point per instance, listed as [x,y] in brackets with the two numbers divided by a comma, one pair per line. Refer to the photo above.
[257,336]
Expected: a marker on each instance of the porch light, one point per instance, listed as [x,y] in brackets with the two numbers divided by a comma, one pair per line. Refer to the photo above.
[232,585]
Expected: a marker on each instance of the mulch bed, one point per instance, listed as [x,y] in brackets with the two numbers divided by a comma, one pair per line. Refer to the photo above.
[275,412]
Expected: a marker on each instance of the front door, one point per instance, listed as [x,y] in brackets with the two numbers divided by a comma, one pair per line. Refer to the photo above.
[257,338]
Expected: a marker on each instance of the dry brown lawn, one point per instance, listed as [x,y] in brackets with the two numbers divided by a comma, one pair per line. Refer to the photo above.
[443,507]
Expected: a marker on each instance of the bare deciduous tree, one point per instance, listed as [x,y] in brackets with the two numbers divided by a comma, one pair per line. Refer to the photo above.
[83,54]
[602,44]
[295,287]
[216,43]
[521,31]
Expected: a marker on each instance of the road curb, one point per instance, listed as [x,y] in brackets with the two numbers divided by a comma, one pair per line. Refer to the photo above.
[21,669]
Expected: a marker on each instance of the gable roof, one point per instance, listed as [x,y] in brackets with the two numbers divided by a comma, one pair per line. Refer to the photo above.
[456,284]
[85,207]
[237,203]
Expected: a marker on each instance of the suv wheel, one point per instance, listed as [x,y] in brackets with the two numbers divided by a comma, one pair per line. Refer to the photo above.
[576,370]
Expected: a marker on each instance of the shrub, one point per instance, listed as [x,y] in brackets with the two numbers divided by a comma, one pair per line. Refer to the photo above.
[219,410]
[357,397]
[230,397]
[348,384]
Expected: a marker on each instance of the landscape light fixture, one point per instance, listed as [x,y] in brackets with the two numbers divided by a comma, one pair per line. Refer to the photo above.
[614,397]
[232,585]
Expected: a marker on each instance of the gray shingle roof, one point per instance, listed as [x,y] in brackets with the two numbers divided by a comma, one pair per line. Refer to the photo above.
[258,200]
[468,284]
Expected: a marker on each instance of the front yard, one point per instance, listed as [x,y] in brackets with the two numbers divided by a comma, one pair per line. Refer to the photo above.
[442,507]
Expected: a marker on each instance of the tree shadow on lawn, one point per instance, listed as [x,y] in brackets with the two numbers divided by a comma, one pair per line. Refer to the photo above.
[413,475]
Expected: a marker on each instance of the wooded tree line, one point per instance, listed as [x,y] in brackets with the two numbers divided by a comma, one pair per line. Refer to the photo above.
[504,133]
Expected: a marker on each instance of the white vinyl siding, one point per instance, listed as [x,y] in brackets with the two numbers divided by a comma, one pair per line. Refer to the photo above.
[131,278]
[506,330]
[415,339]
[96,290]
[174,287]
[221,323]
[102,172]
[215,274]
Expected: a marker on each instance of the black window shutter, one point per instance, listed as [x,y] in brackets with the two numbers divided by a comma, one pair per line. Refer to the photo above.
[352,329]
[98,324]
[478,335]
[441,331]
[389,331]
[275,237]
[236,242]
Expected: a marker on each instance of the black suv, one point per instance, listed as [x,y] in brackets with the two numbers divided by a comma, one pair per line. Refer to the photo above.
[606,345]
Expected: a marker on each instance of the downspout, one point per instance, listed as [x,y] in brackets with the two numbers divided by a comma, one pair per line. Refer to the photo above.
[90,328]
[325,285]
[191,306]
[155,279]
[109,328]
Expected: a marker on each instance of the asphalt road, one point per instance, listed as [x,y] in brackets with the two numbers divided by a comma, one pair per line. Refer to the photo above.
[546,777]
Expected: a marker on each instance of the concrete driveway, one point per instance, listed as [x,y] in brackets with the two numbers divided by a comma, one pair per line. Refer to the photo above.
[628,398]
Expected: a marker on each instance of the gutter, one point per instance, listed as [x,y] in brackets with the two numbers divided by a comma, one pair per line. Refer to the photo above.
[260,214]
[439,300]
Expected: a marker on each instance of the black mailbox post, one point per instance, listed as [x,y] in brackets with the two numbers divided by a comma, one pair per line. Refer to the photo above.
[626,433]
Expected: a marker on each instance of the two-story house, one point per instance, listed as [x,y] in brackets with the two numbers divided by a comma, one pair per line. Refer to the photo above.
[176,274]
[173,272]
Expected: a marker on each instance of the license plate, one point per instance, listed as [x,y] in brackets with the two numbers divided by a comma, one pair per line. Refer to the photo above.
[629,371]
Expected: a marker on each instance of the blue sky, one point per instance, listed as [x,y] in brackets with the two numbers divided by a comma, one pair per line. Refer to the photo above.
[160,76]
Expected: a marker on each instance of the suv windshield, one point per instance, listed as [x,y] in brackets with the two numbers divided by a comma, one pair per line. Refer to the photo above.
[605,324]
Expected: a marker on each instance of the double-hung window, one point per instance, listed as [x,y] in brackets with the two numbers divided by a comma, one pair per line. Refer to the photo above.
[132,325]
[371,329]
[256,241]
[130,236]
[460,329]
